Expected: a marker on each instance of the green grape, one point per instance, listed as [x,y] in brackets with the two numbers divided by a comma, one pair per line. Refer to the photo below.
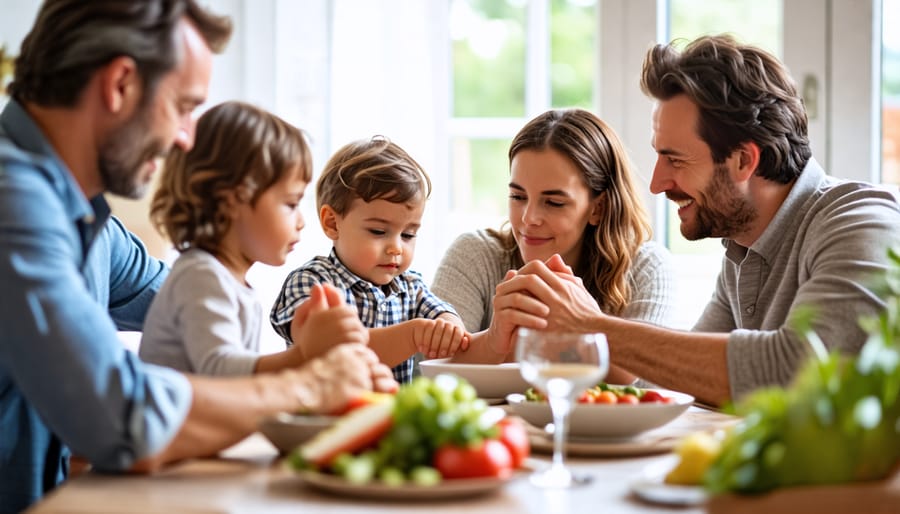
[296,461]
[360,469]
[464,393]
[391,476]
[425,476]
[341,463]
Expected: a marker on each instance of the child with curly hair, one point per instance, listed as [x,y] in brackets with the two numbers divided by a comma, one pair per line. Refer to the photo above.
[231,201]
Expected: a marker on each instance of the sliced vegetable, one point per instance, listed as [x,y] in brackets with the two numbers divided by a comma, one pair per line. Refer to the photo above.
[357,430]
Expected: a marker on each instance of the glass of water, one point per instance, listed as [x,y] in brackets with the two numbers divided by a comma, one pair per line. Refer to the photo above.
[561,365]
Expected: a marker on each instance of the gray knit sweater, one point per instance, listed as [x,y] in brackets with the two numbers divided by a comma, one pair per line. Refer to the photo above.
[823,248]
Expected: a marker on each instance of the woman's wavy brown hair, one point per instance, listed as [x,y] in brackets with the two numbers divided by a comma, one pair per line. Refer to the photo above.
[608,249]
[240,150]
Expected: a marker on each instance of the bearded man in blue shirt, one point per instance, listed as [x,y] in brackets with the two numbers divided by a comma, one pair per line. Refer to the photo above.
[101,90]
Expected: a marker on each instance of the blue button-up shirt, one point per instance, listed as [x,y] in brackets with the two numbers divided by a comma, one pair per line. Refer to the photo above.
[70,276]
[404,298]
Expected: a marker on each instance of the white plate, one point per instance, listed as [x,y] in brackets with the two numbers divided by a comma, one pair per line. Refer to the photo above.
[287,431]
[489,380]
[649,443]
[445,490]
[651,487]
[603,420]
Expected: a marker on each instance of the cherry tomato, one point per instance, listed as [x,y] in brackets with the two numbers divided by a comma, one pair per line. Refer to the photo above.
[607,397]
[652,396]
[490,458]
[515,438]
[629,399]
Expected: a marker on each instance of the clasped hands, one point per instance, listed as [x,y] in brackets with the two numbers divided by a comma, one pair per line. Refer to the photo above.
[540,295]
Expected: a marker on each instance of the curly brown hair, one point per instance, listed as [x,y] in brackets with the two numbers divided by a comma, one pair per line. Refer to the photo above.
[743,94]
[609,248]
[239,149]
[371,169]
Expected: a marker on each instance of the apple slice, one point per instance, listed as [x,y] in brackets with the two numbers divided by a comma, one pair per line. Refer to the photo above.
[357,430]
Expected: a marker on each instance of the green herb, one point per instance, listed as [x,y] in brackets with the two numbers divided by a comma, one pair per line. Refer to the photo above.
[839,421]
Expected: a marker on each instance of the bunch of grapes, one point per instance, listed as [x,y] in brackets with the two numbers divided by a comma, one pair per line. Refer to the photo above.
[427,415]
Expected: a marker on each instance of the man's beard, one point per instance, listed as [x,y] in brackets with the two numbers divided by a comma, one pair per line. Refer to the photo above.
[721,211]
[124,155]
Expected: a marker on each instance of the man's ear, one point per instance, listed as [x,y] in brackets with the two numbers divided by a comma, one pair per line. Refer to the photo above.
[120,86]
[328,218]
[748,155]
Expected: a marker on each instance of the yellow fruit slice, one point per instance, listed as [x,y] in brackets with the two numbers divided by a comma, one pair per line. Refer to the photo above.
[696,452]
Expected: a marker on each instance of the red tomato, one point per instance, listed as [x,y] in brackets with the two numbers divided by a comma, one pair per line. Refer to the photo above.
[515,438]
[586,398]
[490,458]
[629,399]
[652,396]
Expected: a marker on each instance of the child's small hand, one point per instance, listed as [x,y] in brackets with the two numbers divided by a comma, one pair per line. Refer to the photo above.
[324,321]
[439,338]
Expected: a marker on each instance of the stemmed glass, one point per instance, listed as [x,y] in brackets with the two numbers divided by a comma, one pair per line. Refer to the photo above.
[561,365]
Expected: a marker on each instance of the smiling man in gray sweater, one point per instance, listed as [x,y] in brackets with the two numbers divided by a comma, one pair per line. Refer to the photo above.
[730,132]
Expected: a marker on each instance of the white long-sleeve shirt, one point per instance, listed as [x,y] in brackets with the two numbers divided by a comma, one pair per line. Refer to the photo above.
[203,320]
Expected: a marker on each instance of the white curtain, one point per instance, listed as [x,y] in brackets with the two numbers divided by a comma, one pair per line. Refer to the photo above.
[389,76]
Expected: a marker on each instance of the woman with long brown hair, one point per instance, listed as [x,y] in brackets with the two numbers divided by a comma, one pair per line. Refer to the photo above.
[572,194]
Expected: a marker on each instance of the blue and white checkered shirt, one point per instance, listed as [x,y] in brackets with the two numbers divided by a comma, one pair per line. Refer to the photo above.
[408,298]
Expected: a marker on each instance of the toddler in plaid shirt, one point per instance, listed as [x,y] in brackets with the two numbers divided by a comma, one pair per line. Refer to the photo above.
[370,199]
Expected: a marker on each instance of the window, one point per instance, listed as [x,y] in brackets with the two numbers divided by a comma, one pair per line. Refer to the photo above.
[751,21]
[453,81]
[890,93]
[511,60]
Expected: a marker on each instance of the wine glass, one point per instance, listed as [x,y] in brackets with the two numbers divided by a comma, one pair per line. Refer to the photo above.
[561,365]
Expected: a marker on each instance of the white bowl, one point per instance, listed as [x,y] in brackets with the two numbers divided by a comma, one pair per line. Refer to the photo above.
[489,380]
[593,420]
[288,431]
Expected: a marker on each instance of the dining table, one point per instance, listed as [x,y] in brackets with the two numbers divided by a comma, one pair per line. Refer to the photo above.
[252,477]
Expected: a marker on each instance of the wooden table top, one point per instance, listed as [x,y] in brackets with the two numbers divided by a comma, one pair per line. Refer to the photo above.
[251,478]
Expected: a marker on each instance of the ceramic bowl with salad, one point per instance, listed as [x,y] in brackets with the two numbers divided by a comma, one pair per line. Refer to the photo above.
[606,410]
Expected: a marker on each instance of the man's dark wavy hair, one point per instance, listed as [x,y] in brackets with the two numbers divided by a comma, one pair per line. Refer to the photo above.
[743,94]
[71,39]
